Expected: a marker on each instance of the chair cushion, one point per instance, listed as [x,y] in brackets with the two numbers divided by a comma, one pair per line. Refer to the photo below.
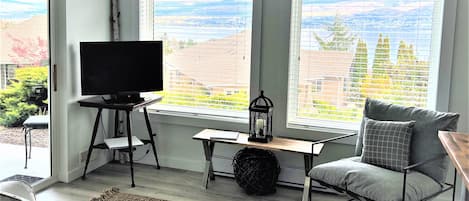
[37,122]
[386,143]
[374,182]
[424,134]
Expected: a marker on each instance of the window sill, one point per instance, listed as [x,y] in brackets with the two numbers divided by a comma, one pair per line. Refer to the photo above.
[324,126]
[208,118]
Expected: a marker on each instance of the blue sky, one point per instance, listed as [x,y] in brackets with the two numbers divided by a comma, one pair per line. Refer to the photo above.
[22,9]
[219,8]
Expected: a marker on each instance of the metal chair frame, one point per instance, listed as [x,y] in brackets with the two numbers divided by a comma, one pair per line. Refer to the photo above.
[354,196]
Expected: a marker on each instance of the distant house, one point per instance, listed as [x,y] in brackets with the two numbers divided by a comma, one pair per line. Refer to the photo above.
[33,28]
[323,74]
[199,66]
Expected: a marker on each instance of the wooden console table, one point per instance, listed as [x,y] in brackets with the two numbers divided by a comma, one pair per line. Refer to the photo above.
[99,103]
[457,147]
[277,143]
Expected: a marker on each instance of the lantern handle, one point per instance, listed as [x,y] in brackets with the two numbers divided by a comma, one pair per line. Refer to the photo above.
[266,100]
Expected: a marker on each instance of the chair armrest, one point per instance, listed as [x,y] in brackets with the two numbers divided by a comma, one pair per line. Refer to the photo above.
[322,141]
[334,138]
[441,156]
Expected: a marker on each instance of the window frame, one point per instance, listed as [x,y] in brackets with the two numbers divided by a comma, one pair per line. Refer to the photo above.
[439,73]
[146,31]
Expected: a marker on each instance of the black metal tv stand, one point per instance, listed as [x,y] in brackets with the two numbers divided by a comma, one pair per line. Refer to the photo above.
[100,103]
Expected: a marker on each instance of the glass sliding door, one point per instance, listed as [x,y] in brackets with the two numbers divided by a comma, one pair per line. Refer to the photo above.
[24,87]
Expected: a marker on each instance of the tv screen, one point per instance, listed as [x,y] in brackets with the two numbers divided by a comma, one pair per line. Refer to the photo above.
[121,67]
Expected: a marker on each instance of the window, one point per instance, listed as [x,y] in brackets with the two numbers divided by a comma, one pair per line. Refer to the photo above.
[207,53]
[357,49]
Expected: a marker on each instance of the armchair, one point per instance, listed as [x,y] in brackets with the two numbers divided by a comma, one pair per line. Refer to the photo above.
[423,179]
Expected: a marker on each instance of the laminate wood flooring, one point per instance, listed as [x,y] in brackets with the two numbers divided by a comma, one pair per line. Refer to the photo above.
[166,183]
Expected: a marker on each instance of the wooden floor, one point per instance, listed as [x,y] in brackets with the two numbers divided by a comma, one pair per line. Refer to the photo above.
[168,184]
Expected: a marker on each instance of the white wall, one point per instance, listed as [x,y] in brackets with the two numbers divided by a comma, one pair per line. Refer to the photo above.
[75,21]
[459,93]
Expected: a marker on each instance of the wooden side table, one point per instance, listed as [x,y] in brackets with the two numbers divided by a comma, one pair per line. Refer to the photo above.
[457,147]
[282,144]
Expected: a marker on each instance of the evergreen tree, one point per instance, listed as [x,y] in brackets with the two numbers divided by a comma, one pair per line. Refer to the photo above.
[339,39]
[360,64]
[387,50]
[410,75]
[382,59]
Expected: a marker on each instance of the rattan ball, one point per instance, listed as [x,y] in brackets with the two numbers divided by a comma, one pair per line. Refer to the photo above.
[256,171]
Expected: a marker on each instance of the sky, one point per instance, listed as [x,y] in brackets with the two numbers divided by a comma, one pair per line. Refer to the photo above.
[22,9]
[231,13]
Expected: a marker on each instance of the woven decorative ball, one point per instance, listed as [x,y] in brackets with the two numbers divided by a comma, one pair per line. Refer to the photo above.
[256,171]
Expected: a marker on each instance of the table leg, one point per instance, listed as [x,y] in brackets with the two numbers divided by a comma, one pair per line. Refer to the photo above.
[208,171]
[93,137]
[150,134]
[116,131]
[116,123]
[30,143]
[129,137]
[26,148]
[308,160]
[212,147]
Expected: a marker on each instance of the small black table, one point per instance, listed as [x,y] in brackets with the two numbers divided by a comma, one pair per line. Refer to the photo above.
[33,122]
[99,103]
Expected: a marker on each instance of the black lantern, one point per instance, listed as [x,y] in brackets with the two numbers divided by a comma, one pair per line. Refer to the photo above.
[260,119]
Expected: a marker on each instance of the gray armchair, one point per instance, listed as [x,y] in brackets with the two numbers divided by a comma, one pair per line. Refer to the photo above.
[423,179]
[16,191]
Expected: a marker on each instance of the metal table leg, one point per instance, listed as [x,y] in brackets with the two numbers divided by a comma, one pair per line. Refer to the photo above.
[93,137]
[30,142]
[308,160]
[150,134]
[26,147]
[116,131]
[208,171]
[129,137]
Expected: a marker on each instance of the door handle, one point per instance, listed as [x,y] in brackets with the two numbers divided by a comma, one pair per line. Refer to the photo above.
[54,77]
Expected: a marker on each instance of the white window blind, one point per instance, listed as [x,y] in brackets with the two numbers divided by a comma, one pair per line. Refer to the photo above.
[207,53]
[342,52]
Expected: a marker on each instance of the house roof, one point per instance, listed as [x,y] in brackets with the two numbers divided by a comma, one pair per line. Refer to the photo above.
[317,64]
[32,28]
[204,61]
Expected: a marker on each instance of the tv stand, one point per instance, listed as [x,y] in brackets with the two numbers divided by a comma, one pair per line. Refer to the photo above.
[100,103]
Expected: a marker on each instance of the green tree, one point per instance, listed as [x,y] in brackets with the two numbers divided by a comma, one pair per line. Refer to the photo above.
[339,39]
[359,66]
[409,75]
[14,106]
[382,59]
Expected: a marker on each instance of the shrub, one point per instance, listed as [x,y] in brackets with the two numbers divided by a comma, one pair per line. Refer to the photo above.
[14,105]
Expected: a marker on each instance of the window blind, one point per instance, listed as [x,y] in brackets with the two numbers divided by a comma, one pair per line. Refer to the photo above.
[342,52]
[207,52]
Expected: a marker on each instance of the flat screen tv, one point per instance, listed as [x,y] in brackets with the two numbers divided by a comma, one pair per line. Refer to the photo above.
[121,68]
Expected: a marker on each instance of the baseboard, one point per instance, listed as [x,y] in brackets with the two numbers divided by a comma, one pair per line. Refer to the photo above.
[78,171]
[176,163]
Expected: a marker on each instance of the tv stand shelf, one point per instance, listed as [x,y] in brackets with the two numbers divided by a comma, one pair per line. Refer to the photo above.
[104,146]
[99,103]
